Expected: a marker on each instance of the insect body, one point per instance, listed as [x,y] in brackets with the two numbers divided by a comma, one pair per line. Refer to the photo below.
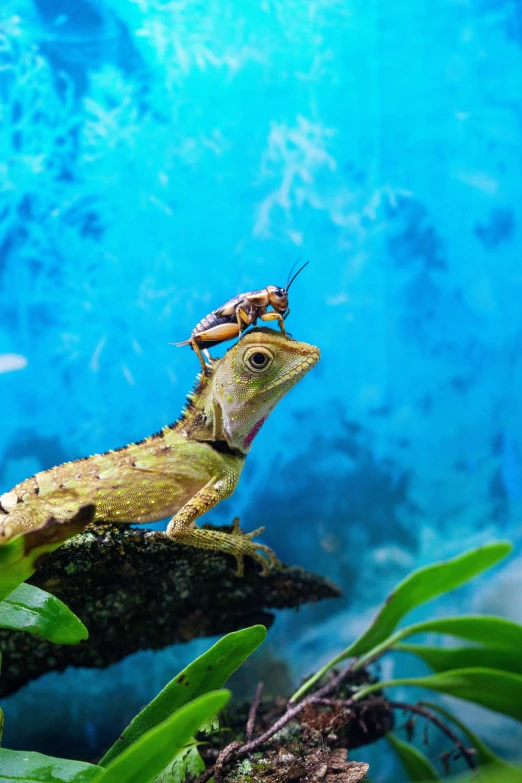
[231,319]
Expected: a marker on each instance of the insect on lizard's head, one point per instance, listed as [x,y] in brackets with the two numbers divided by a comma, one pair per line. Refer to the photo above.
[251,379]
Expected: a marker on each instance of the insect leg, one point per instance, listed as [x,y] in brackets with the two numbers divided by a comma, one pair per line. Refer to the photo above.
[275,317]
[197,349]
[244,320]
[217,334]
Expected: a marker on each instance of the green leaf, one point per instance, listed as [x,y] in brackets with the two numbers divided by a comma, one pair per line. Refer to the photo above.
[20,766]
[208,672]
[442,659]
[495,774]
[18,556]
[494,631]
[30,609]
[420,586]
[424,585]
[415,763]
[484,629]
[491,631]
[498,691]
[187,764]
[490,774]
[150,754]
[483,754]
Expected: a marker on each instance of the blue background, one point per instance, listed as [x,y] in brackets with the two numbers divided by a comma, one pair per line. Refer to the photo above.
[157,158]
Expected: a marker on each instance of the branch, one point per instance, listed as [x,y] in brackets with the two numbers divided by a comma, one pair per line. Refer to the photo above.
[136,589]
[253,712]
[418,709]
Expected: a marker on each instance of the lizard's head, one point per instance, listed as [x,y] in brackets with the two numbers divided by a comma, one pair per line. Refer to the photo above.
[251,378]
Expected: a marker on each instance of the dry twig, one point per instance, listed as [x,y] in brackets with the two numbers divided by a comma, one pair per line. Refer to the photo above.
[251,722]
[419,709]
[235,749]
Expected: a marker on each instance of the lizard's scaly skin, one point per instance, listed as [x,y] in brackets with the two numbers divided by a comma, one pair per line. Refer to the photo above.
[185,469]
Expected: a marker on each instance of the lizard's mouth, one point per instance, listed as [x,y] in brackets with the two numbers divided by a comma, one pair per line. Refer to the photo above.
[309,360]
[310,357]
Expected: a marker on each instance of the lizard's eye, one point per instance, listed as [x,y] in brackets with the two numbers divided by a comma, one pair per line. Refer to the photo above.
[258,359]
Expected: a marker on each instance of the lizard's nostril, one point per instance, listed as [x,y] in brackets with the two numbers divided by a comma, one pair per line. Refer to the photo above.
[310,351]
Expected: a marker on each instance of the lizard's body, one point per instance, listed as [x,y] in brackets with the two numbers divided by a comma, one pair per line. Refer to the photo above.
[185,469]
[142,482]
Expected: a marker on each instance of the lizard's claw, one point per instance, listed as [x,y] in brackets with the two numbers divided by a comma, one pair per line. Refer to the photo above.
[243,545]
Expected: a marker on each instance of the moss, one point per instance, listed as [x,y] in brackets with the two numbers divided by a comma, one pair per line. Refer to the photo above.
[304,763]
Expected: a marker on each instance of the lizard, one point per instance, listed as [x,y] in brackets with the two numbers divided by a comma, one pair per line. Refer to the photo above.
[186,468]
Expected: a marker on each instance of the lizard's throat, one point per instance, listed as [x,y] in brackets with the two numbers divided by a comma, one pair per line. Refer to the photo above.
[230,429]
[247,442]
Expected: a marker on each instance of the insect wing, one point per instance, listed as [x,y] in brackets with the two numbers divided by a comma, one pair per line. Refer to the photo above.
[244,301]
[228,310]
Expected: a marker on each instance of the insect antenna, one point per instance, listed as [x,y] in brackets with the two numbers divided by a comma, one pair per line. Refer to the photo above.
[291,272]
[293,278]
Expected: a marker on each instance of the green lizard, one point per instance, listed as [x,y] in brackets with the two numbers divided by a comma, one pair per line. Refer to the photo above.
[186,468]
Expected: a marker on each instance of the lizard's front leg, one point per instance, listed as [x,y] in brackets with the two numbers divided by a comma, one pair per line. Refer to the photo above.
[181,527]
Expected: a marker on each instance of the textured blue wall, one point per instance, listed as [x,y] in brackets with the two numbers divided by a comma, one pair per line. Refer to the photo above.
[157,158]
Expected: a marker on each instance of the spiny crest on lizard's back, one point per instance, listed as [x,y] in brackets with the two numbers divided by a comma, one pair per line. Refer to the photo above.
[200,384]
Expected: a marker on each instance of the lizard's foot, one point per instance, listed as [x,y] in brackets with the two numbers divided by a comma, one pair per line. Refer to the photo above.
[235,543]
[243,545]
